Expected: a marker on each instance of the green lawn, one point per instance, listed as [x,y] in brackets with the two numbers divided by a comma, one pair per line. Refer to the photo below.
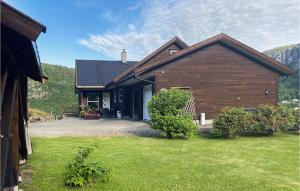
[199,163]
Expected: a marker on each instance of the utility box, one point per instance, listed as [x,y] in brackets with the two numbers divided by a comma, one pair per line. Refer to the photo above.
[119,114]
[202,119]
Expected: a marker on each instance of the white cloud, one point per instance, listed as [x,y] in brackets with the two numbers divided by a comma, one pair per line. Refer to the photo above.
[262,24]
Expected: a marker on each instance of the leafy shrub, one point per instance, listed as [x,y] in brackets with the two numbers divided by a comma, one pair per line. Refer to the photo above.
[172,126]
[285,118]
[82,114]
[82,171]
[296,114]
[167,114]
[230,122]
[168,102]
[266,118]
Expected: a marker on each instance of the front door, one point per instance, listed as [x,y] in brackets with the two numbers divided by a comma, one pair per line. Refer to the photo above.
[147,95]
[106,100]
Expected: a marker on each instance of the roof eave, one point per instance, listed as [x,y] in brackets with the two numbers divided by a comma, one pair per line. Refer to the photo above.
[280,68]
[15,19]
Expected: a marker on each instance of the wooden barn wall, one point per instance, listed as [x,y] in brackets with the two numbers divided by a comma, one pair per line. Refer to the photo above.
[219,77]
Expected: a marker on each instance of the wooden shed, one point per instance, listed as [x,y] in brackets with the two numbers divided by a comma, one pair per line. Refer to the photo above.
[19,60]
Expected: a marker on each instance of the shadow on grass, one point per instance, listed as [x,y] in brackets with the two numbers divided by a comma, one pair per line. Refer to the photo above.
[293,132]
[156,134]
[251,133]
[208,134]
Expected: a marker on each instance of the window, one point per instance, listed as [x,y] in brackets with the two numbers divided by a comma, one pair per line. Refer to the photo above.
[93,101]
[173,51]
[121,95]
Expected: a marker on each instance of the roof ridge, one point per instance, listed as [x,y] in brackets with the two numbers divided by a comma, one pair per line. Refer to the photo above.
[151,55]
[104,60]
[211,40]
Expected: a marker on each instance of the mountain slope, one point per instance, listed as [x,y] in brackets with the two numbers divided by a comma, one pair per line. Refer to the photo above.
[57,94]
[290,56]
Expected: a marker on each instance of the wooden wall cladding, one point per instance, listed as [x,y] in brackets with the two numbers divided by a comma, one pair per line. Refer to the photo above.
[162,55]
[219,76]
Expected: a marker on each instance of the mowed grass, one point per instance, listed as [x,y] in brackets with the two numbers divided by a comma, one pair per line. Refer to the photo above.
[199,163]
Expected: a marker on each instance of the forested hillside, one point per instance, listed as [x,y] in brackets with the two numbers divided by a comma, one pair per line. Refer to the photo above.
[57,94]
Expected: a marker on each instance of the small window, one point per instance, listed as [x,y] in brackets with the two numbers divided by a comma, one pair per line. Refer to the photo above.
[120,95]
[93,101]
[173,51]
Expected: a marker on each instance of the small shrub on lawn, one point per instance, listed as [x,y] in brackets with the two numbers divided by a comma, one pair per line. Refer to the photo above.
[230,122]
[169,102]
[296,114]
[265,117]
[82,171]
[272,119]
[167,114]
[285,118]
[172,126]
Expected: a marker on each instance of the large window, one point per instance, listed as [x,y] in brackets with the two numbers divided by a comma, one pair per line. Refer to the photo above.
[93,101]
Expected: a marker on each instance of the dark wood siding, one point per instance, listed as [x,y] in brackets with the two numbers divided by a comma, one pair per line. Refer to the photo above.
[163,54]
[219,76]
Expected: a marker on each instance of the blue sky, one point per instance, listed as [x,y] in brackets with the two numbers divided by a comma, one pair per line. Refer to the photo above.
[100,29]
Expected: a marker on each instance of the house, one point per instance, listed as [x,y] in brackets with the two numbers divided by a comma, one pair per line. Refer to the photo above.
[220,71]
[19,61]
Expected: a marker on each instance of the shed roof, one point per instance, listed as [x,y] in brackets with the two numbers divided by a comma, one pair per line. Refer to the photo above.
[21,22]
[97,73]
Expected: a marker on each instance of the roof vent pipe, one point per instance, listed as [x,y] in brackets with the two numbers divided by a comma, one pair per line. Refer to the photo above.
[123,56]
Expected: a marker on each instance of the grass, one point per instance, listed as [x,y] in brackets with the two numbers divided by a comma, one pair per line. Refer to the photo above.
[199,163]
[40,113]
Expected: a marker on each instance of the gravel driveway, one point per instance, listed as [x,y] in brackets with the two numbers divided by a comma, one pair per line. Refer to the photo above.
[71,126]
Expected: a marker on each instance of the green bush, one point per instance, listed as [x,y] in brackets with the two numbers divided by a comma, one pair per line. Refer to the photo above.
[285,118]
[172,126]
[168,102]
[266,119]
[82,114]
[81,171]
[230,122]
[167,114]
[296,114]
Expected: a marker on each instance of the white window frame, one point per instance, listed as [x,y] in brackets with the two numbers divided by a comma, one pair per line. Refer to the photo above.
[173,51]
[87,100]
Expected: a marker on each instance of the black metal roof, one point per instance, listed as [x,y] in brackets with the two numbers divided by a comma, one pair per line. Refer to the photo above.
[99,72]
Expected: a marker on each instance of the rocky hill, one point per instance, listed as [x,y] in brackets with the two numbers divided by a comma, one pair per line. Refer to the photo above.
[290,56]
[57,94]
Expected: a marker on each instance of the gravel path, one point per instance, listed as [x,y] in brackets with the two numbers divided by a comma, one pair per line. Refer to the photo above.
[71,126]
